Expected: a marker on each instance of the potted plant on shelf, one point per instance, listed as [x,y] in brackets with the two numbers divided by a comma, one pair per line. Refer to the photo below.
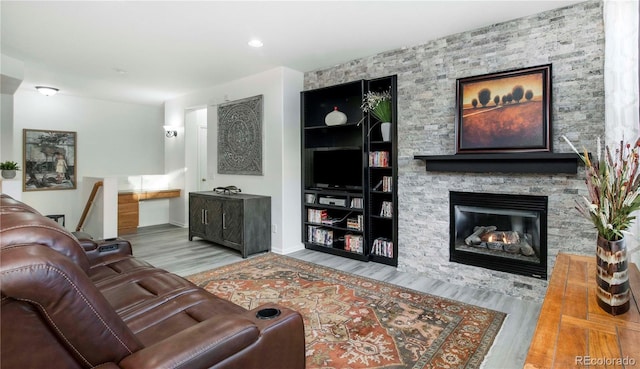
[379,105]
[613,182]
[9,169]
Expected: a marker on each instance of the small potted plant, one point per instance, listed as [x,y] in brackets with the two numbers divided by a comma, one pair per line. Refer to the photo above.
[379,105]
[9,169]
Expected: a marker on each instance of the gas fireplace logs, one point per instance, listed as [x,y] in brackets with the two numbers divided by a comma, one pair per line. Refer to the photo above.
[490,238]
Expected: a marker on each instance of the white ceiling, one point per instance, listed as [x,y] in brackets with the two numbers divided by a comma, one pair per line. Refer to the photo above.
[149,51]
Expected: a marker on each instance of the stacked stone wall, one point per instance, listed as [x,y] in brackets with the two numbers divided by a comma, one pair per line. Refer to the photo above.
[571,39]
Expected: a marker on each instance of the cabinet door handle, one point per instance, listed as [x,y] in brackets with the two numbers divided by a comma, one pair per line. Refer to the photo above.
[206,216]
[202,216]
[224,221]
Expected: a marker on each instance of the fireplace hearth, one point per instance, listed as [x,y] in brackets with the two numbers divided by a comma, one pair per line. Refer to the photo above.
[500,232]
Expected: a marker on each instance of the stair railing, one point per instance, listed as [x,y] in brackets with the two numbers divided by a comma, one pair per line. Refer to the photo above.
[87,207]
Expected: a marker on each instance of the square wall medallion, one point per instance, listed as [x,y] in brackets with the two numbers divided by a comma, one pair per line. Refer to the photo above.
[240,136]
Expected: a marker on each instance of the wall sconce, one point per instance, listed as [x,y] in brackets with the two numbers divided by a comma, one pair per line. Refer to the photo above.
[170,131]
[47,91]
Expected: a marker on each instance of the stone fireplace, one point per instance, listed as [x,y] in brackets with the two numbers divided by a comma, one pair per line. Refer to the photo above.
[499,232]
[570,38]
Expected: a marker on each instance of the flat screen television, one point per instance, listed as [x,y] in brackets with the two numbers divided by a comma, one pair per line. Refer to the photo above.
[338,169]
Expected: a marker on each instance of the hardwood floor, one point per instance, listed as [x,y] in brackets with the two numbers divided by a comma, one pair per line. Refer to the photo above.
[168,247]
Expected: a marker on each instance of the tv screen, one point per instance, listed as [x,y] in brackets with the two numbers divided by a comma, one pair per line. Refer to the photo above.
[340,169]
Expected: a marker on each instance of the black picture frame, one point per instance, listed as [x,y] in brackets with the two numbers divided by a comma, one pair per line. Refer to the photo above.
[514,116]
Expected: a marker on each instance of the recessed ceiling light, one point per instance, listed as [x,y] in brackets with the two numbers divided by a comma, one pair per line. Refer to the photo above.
[47,91]
[255,43]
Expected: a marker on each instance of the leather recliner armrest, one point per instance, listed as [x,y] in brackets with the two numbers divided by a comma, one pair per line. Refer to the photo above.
[97,249]
[200,346]
[87,244]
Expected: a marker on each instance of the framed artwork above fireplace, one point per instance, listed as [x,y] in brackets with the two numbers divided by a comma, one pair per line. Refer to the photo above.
[504,112]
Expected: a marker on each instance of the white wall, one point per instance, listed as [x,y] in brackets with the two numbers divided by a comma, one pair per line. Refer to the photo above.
[113,139]
[280,88]
[11,75]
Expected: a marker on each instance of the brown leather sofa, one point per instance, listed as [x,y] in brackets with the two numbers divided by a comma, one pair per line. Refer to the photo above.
[91,304]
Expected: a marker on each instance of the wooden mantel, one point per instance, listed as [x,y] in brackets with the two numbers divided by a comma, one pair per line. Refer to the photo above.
[574,331]
[533,162]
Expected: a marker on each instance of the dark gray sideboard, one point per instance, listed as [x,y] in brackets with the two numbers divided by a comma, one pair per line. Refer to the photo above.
[239,221]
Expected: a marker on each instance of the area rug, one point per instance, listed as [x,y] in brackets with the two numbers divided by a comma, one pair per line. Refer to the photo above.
[353,322]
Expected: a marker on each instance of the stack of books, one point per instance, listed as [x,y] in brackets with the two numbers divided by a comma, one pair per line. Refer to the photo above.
[316,216]
[379,159]
[355,223]
[382,247]
[320,236]
[386,209]
[387,184]
[356,202]
[310,198]
[353,243]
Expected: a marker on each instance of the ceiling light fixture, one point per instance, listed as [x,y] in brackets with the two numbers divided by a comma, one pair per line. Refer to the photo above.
[47,91]
[255,43]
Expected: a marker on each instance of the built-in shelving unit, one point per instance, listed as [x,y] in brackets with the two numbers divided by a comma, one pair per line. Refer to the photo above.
[382,181]
[346,209]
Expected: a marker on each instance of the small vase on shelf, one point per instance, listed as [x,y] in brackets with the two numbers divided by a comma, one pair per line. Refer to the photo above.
[335,118]
[612,279]
[385,129]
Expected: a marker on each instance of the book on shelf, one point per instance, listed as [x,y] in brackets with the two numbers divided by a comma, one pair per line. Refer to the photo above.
[316,215]
[379,159]
[387,184]
[382,247]
[331,221]
[353,243]
[356,203]
[310,198]
[386,210]
[355,223]
[320,236]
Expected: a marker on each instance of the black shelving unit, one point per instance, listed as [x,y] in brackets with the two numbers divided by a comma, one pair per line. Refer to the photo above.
[337,174]
[382,182]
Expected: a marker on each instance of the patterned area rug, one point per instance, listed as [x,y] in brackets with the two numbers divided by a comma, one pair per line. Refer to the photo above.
[354,322]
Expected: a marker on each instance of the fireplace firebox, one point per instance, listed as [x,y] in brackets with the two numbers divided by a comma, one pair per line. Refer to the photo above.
[500,232]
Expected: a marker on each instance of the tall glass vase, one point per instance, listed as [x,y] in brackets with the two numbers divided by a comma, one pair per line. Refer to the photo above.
[612,278]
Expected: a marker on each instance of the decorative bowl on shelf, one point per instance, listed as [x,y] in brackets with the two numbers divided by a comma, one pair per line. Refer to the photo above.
[335,118]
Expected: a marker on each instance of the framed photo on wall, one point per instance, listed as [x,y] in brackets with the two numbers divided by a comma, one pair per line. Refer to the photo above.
[49,160]
[504,112]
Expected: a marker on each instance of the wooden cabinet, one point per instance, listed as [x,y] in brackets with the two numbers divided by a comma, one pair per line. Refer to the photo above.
[350,178]
[128,213]
[129,207]
[240,221]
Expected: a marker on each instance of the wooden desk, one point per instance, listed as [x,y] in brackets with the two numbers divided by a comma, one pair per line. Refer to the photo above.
[129,207]
[573,331]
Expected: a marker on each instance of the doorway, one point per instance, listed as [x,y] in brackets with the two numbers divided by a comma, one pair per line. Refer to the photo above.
[202,158]
[196,149]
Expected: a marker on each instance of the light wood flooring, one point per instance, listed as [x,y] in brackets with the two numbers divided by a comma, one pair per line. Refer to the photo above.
[168,247]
